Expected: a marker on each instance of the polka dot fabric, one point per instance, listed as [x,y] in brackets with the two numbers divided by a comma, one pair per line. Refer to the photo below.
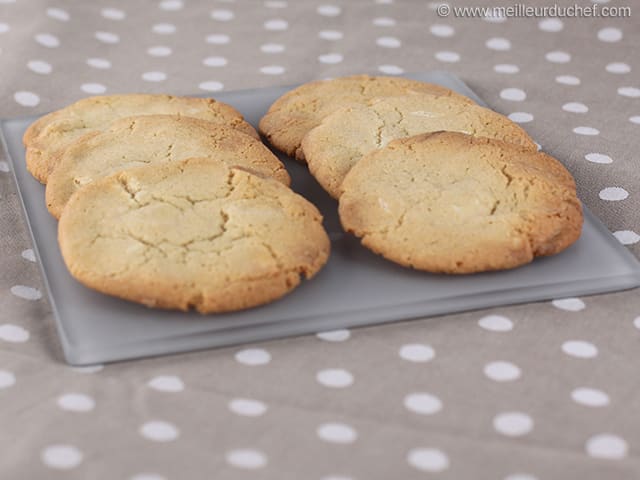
[474,395]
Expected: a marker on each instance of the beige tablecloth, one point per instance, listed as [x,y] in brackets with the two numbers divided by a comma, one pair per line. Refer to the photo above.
[541,391]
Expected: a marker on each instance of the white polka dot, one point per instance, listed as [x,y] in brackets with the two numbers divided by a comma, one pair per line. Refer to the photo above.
[154,76]
[222,15]
[334,378]
[7,379]
[336,477]
[76,402]
[630,92]
[334,335]
[26,99]
[275,4]
[636,322]
[513,94]
[58,14]
[272,69]
[107,37]
[575,107]
[61,457]
[569,304]
[93,88]
[88,368]
[618,67]
[28,293]
[627,237]
[218,39]
[214,61]
[171,5]
[253,356]
[113,13]
[513,424]
[635,119]
[610,34]
[276,24]
[550,25]
[422,403]
[502,371]
[13,333]
[28,254]
[506,68]
[428,459]
[384,2]
[166,383]
[247,407]
[579,349]
[329,10]
[211,86]
[568,80]
[384,22]
[520,476]
[589,131]
[159,431]
[100,63]
[558,57]
[159,51]
[164,28]
[613,194]
[4,166]
[417,352]
[39,66]
[246,458]
[330,35]
[272,48]
[440,30]
[607,446]
[496,323]
[391,69]
[447,57]
[520,117]
[590,397]
[337,433]
[499,44]
[47,40]
[388,42]
[330,58]
[147,476]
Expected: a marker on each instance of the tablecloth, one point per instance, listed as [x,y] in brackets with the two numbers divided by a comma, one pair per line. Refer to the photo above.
[540,391]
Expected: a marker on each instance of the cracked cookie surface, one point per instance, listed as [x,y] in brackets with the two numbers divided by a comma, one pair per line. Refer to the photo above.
[192,234]
[335,146]
[136,141]
[296,112]
[48,136]
[452,203]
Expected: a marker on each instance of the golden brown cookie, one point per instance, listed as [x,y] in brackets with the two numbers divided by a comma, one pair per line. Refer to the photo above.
[192,234]
[335,146]
[452,203]
[154,139]
[48,136]
[295,113]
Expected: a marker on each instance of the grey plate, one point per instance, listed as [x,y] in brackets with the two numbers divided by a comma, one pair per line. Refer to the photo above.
[355,288]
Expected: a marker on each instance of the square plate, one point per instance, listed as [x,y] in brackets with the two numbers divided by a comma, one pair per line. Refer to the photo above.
[355,288]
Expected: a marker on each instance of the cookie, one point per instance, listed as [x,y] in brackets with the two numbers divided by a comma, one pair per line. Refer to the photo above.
[192,234]
[295,113]
[452,203]
[335,146]
[154,139]
[47,137]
